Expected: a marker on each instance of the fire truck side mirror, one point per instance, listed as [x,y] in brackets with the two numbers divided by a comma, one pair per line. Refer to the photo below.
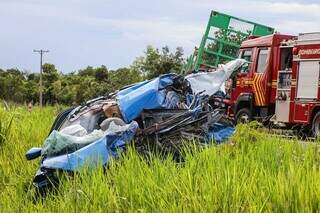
[244,69]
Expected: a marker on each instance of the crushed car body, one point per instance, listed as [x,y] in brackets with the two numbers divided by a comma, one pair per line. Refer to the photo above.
[164,111]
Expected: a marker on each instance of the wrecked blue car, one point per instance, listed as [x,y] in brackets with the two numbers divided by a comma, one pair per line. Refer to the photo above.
[162,112]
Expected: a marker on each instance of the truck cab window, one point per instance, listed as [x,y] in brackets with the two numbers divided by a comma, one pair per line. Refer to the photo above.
[286,58]
[262,60]
[247,55]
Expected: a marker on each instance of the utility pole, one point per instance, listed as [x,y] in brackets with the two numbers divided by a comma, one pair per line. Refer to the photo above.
[41,52]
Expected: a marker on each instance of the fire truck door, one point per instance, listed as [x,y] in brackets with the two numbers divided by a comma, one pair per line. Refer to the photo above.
[284,81]
[242,83]
[283,95]
[308,80]
[307,88]
[261,77]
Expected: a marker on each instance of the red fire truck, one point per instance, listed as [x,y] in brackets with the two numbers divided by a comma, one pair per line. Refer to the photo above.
[281,82]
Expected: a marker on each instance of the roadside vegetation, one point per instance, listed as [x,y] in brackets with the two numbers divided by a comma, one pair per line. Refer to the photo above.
[252,172]
[72,88]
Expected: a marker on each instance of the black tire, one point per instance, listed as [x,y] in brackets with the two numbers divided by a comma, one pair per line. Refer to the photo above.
[243,116]
[316,125]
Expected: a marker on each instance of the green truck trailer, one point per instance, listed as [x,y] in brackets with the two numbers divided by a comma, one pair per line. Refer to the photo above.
[222,39]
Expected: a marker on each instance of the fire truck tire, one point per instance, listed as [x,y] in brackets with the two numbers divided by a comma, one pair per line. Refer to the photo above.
[243,116]
[316,125]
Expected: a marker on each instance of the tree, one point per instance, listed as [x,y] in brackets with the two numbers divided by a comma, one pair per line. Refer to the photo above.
[50,76]
[32,85]
[156,62]
[12,85]
[214,46]
[88,71]
[79,86]
[101,73]
[87,88]
[50,73]
[124,76]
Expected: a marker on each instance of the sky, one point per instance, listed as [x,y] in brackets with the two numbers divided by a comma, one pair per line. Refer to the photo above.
[80,33]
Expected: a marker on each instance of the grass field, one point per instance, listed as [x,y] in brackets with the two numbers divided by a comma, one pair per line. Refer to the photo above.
[253,172]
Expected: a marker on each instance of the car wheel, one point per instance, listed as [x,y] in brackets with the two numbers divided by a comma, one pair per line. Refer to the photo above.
[243,116]
[316,125]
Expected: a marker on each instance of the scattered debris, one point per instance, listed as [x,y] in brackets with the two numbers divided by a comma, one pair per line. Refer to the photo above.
[165,112]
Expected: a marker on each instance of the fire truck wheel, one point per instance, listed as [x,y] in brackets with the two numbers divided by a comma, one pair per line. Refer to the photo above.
[316,125]
[243,116]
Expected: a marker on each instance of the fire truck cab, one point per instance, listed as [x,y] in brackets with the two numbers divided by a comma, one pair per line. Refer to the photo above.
[280,83]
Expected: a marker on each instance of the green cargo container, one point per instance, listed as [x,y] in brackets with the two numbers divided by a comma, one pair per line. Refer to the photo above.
[222,40]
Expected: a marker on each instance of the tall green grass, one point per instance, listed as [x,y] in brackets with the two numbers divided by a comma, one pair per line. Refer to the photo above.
[253,172]
[5,127]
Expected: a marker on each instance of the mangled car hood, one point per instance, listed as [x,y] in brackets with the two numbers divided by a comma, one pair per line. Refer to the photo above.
[211,82]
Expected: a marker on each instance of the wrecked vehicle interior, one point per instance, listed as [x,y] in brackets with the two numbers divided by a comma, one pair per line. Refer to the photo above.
[162,113]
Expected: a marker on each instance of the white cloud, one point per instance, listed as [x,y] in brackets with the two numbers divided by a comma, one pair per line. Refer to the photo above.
[113,32]
[264,8]
[293,9]
[154,30]
[286,16]
[295,27]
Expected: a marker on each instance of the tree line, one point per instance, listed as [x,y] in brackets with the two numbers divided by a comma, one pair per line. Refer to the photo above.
[81,85]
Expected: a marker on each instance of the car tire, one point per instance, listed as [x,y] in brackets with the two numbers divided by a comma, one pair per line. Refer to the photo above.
[243,116]
[316,125]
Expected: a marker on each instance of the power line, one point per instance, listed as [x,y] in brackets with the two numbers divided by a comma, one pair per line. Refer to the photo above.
[41,52]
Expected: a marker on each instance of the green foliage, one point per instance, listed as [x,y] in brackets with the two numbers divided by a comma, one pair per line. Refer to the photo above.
[101,74]
[5,127]
[252,173]
[156,62]
[123,77]
[12,85]
[217,46]
[84,84]
[50,79]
